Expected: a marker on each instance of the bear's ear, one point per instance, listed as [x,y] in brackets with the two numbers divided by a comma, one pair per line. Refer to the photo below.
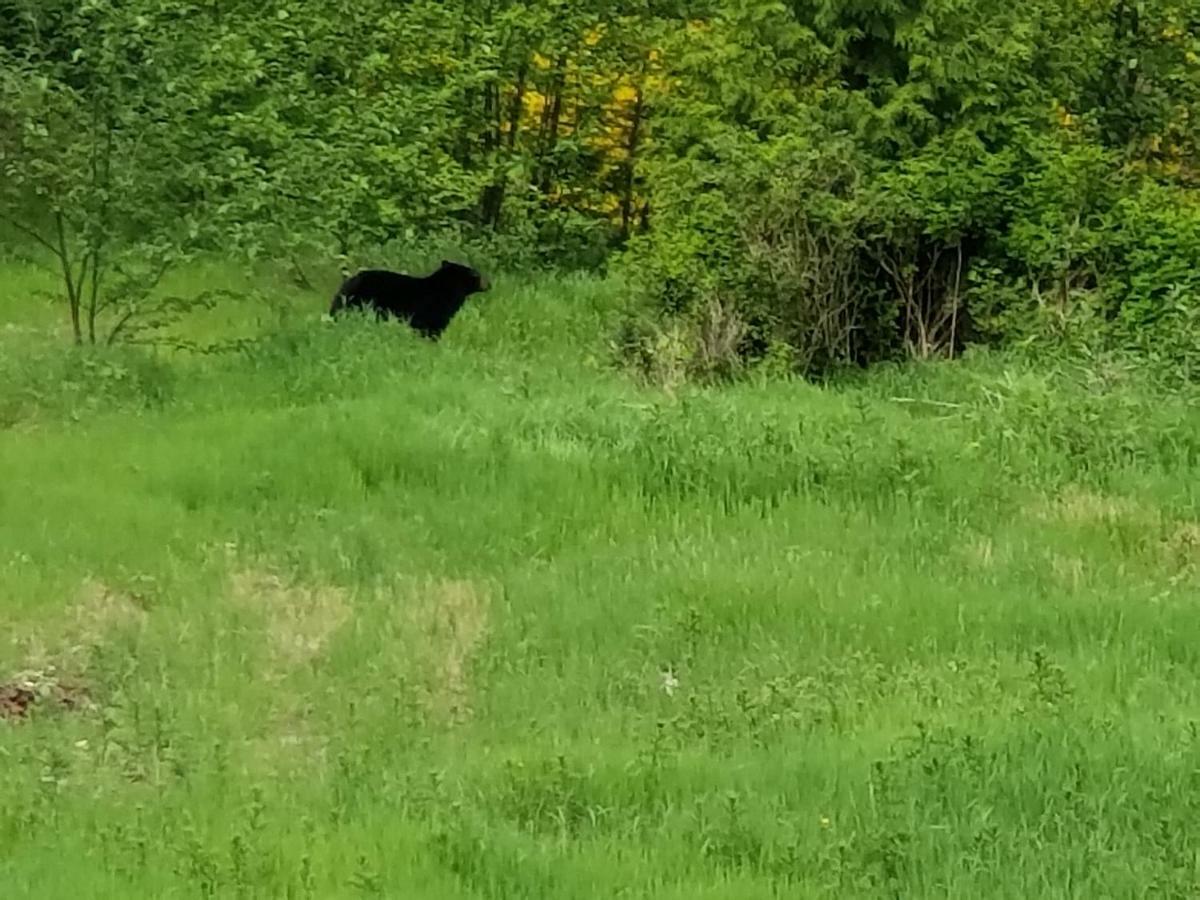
[446,264]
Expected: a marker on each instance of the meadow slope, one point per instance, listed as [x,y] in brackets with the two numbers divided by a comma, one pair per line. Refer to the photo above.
[345,613]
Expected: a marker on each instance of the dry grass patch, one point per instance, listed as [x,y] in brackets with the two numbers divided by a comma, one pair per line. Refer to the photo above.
[299,622]
[448,623]
[102,609]
[300,618]
[981,552]
[1083,507]
[54,671]
[1069,571]
[62,639]
[1174,543]
[1182,545]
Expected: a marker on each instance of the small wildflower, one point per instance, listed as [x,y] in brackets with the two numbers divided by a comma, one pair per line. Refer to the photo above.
[825,821]
[669,682]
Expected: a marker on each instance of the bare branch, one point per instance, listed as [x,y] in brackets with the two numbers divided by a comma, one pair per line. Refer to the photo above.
[144,290]
[120,325]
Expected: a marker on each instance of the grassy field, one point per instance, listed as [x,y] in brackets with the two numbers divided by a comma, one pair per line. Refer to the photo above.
[345,614]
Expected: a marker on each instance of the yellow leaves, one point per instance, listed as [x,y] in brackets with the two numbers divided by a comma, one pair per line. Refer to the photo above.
[1171,153]
[625,95]
[533,105]
[1065,117]
[610,143]
[598,106]
[609,205]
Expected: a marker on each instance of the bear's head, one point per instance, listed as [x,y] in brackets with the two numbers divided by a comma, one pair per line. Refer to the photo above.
[465,280]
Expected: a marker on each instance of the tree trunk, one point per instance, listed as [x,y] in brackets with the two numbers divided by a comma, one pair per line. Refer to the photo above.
[73,291]
[550,123]
[635,129]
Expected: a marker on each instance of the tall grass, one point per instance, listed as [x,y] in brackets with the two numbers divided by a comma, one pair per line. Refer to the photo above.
[345,613]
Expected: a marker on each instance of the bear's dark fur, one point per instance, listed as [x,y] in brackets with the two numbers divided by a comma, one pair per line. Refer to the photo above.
[427,304]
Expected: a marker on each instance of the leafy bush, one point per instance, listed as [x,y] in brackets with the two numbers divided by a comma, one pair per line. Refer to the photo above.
[823,250]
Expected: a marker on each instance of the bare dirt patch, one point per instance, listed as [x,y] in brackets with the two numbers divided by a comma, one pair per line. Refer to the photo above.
[42,688]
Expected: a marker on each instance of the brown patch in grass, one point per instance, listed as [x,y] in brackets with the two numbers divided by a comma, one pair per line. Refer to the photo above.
[44,687]
[450,621]
[54,670]
[300,618]
[15,701]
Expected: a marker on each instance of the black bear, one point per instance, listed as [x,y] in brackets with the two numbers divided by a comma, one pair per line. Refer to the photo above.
[427,304]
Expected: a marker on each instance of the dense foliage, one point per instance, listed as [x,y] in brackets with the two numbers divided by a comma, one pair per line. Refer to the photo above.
[822,182]
[860,180]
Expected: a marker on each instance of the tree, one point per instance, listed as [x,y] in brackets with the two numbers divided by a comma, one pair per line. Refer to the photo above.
[97,168]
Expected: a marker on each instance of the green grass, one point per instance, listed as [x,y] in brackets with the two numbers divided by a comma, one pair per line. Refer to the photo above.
[359,615]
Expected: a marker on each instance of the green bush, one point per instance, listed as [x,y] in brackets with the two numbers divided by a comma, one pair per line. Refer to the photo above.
[820,248]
